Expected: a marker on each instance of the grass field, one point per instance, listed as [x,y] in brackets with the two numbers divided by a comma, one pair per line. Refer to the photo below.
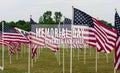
[47,62]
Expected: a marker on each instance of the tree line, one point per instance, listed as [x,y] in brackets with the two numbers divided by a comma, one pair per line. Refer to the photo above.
[46,18]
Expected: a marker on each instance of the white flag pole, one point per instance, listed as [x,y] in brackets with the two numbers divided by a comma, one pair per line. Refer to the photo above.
[78,52]
[24,49]
[39,51]
[98,55]
[114,50]
[71,40]
[16,54]
[90,50]
[10,58]
[63,60]
[84,46]
[85,55]
[114,62]
[29,58]
[31,62]
[96,61]
[35,57]
[59,46]
[29,53]
[114,70]
[106,58]
[2,68]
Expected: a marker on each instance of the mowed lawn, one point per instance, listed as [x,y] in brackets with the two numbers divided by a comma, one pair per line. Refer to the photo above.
[47,62]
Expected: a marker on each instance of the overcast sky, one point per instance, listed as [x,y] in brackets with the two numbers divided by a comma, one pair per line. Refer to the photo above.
[14,10]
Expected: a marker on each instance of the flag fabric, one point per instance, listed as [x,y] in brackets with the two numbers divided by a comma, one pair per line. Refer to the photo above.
[11,49]
[83,19]
[14,37]
[117,49]
[34,41]
[11,35]
[105,37]
[67,21]
[24,34]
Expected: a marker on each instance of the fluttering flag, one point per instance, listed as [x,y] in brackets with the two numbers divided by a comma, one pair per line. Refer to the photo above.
[117,49]
[9,35]
[34,41]
[85,20]
[105,37]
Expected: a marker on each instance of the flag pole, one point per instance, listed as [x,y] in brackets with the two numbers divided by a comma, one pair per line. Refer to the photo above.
[29,53]
[16,55]
[37,53]
[10,59]
[90,50]
[35,57]
[63,60]
[2,68]
[71,41]
[106,57]
[84,46]
[114,50]
[78,51]
[24,50]
[96,60]
[59,47]
[114,62]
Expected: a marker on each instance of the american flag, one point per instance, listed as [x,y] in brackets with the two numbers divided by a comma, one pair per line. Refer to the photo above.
[14,37]
[83,19]
[11,49]
[11,35]
[34,41]
[117,49]
[67,21]
[105,37]
[25,38]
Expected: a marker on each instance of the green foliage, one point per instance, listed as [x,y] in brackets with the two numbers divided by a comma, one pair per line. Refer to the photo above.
[107,23]
[48,62]
[46,18]
[57,17]
[19,24]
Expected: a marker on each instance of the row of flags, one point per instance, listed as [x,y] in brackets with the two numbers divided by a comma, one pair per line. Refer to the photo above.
[107,38]
[96,34]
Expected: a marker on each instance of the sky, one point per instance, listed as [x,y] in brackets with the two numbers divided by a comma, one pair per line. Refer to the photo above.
[14,10]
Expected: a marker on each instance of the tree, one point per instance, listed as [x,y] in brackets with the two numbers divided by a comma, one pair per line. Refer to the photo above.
[107,23]
[21,22]
[47,19]
[41,20]
[57,17]
[12,24]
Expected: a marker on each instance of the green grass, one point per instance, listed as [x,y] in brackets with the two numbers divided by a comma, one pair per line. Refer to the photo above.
[47,62]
